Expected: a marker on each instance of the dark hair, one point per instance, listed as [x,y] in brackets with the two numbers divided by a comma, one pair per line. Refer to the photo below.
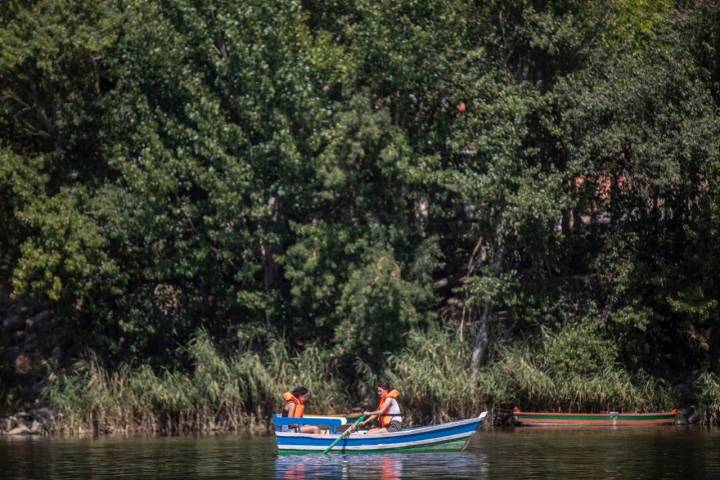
[385,386]
[299,391]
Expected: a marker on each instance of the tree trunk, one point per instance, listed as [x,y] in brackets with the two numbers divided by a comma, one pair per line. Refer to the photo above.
[482,332]
[481,335]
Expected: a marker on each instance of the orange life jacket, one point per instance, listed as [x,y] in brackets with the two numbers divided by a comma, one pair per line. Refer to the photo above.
[299,404]
[386,419]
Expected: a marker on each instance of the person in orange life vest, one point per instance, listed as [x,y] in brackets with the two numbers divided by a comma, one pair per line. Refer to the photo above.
[387,413]
[295,408]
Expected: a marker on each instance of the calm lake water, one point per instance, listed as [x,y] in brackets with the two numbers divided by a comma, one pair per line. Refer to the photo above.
[656,453]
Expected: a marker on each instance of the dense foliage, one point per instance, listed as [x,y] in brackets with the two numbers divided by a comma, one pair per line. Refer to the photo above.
[529,186]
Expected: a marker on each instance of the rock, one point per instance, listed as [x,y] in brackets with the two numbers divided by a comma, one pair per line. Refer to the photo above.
[20,430]
[694,417]
[45,417]
[681,418]
[10,423]
[36,427]
[23,417]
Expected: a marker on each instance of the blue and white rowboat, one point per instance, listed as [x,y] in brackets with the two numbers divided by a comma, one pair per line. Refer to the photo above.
[446,436]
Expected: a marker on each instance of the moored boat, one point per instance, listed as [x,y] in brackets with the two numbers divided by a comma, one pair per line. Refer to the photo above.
[614,419]
[446,437]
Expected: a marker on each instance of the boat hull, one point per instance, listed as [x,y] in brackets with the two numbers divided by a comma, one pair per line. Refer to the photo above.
[445,437]
[608,419]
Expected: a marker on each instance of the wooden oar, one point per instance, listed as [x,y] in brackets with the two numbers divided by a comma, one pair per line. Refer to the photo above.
[344,434]
[352,416]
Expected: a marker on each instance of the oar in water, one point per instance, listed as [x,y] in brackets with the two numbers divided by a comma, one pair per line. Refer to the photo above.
[345,433]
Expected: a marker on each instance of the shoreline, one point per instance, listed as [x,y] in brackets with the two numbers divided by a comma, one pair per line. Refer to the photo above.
[42,422]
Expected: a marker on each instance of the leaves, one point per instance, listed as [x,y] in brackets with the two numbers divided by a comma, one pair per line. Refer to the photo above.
[347,175]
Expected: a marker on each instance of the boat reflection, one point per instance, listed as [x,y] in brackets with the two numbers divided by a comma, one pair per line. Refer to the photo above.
[390,466]
[296,467]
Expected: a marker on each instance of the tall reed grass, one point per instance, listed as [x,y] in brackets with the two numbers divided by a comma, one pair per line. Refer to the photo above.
[219,393]
[707,388]
[434,376]
[439,383]
[573,369]
[524,378]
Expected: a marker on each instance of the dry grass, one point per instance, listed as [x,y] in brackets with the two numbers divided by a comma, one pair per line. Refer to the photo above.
[439,383]
[218,394]
[707,387]
[433,372]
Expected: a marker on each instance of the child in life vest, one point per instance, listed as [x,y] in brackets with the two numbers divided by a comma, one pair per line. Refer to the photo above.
[295,408]
[387,413]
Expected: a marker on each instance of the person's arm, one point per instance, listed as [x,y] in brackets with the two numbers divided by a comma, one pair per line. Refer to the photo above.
[367,420]
[375,413]
[290,407]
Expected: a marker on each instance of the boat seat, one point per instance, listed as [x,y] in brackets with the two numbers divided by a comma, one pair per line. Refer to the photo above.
[324,422]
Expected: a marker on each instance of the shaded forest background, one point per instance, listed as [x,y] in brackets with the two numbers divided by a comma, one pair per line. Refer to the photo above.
[206,202]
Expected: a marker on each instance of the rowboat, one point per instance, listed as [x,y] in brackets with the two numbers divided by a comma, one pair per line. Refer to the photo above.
[614,419]
[451,436]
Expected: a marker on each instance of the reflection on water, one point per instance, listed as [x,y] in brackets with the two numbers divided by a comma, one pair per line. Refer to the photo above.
[387,466]
[652,454]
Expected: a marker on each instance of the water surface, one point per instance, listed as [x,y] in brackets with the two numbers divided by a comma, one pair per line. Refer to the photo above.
[652,453]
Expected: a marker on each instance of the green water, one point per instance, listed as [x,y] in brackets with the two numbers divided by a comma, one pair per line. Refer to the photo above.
[653,453]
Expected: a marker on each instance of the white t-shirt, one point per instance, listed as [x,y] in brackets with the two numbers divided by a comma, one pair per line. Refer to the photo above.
[394,410]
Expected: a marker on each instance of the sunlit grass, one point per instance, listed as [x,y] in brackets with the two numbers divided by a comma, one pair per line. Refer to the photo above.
[433,373]
[439,383]
[218,394]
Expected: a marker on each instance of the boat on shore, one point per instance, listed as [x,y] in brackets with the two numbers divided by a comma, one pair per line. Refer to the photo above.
[451,436]
[604,419]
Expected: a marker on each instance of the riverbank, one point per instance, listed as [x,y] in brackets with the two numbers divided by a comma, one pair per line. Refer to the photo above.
[40,421]
[239,392]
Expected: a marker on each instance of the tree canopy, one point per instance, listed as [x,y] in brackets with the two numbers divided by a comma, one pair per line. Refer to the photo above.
[344,174]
